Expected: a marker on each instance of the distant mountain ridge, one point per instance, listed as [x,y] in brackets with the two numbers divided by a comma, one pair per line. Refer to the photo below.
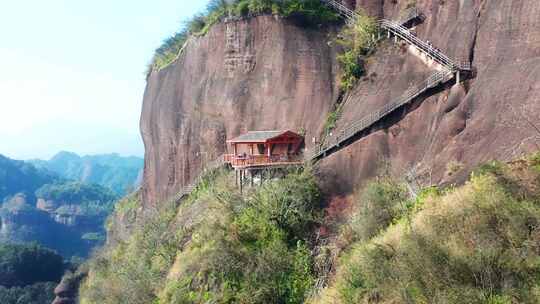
[20,177]
[63,203]
[37,205]
[118,173]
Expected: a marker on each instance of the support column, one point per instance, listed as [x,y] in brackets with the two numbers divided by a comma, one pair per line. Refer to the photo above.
[458,77]
[241,182]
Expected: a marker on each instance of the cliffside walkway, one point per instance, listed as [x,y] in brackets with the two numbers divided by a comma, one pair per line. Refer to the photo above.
[186,191]
[398,30]
[450,69]
[354,130]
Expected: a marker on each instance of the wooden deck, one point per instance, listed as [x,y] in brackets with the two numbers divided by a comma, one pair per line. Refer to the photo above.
[261,161]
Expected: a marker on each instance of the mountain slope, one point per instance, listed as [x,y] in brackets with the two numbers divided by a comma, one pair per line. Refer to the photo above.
[20,177]
[38,206]
[120,174]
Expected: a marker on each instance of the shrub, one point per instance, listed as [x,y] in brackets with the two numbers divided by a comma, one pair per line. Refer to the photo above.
[217,246]
[478,243]
[357,40]
[242,8]
[332,119]
[380,203]
[535,161]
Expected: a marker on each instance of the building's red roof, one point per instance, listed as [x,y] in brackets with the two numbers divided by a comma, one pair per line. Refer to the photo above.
[262,136]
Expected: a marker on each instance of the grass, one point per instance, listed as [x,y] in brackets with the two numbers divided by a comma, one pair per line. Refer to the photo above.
[332,119]
[478,243]
[218,246]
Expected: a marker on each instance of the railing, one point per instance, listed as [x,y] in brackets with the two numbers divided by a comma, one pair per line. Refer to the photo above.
[261,160]
[367,121]
[400,31]
[341,9]
[185,191]
[358,126]
[410,15]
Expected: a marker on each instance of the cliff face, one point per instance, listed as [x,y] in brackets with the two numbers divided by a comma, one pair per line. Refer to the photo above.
[268,73]
[261,73]
[441,136]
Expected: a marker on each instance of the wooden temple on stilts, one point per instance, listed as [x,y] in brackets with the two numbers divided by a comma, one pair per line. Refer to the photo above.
[258,153]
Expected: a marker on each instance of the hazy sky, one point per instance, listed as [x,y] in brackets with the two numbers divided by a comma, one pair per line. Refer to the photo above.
[72,72]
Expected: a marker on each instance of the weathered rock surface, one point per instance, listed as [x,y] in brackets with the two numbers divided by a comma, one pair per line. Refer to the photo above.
[67,291]
[494,115]
[261,73]
[267,73]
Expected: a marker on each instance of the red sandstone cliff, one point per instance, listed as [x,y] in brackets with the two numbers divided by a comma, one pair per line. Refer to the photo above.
[267,73]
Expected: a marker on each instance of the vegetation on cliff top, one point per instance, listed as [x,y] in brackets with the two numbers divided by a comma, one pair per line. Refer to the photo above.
[307,12]
[218,246]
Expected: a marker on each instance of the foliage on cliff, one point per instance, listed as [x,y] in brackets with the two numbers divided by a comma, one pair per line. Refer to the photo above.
[479,243]
[358,41]
[219,246]
[306,12]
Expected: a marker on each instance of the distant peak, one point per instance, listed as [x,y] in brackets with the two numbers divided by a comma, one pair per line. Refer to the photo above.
[65,154]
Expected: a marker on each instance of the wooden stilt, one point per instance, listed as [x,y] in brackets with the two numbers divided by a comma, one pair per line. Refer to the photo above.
[241,181]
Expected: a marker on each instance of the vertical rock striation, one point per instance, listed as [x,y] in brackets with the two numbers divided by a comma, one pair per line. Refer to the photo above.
[259,73]
[268,73]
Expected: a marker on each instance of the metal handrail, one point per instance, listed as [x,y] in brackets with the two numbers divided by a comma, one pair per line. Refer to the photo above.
[187,190]
[367,121]
[402,32]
